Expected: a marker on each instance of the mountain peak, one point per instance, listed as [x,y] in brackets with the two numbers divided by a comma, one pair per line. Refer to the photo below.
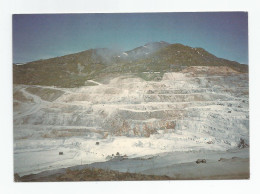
[157,43]
[147,49]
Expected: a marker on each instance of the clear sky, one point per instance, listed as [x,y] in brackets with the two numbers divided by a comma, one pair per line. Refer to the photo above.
[41,36]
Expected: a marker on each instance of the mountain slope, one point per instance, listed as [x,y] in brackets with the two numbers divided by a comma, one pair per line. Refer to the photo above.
[180,55]
[75,69]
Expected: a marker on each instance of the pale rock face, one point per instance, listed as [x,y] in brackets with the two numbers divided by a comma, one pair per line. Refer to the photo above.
[185,111]
[174,76]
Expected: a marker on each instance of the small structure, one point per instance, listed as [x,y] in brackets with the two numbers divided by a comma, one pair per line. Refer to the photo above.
[229,111]
[60,153]
[242,144]
[97,143]
[117,157]
[201,161]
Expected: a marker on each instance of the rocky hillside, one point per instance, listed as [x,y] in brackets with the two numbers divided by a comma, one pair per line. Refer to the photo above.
[75,69]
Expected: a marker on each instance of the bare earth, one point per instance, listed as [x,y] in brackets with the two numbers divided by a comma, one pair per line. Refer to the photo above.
[157,127]
[155,168]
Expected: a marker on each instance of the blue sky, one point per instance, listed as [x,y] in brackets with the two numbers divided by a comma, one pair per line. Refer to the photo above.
[41,36]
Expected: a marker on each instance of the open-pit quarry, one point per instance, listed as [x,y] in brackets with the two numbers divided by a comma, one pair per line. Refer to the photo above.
[191,114]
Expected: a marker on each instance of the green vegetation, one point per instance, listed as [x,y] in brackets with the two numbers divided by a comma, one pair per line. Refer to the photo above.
[45,93]
[18,95]
[150,76]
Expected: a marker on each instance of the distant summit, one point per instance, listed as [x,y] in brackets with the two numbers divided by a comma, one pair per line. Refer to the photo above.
[75,69]
[147,49]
